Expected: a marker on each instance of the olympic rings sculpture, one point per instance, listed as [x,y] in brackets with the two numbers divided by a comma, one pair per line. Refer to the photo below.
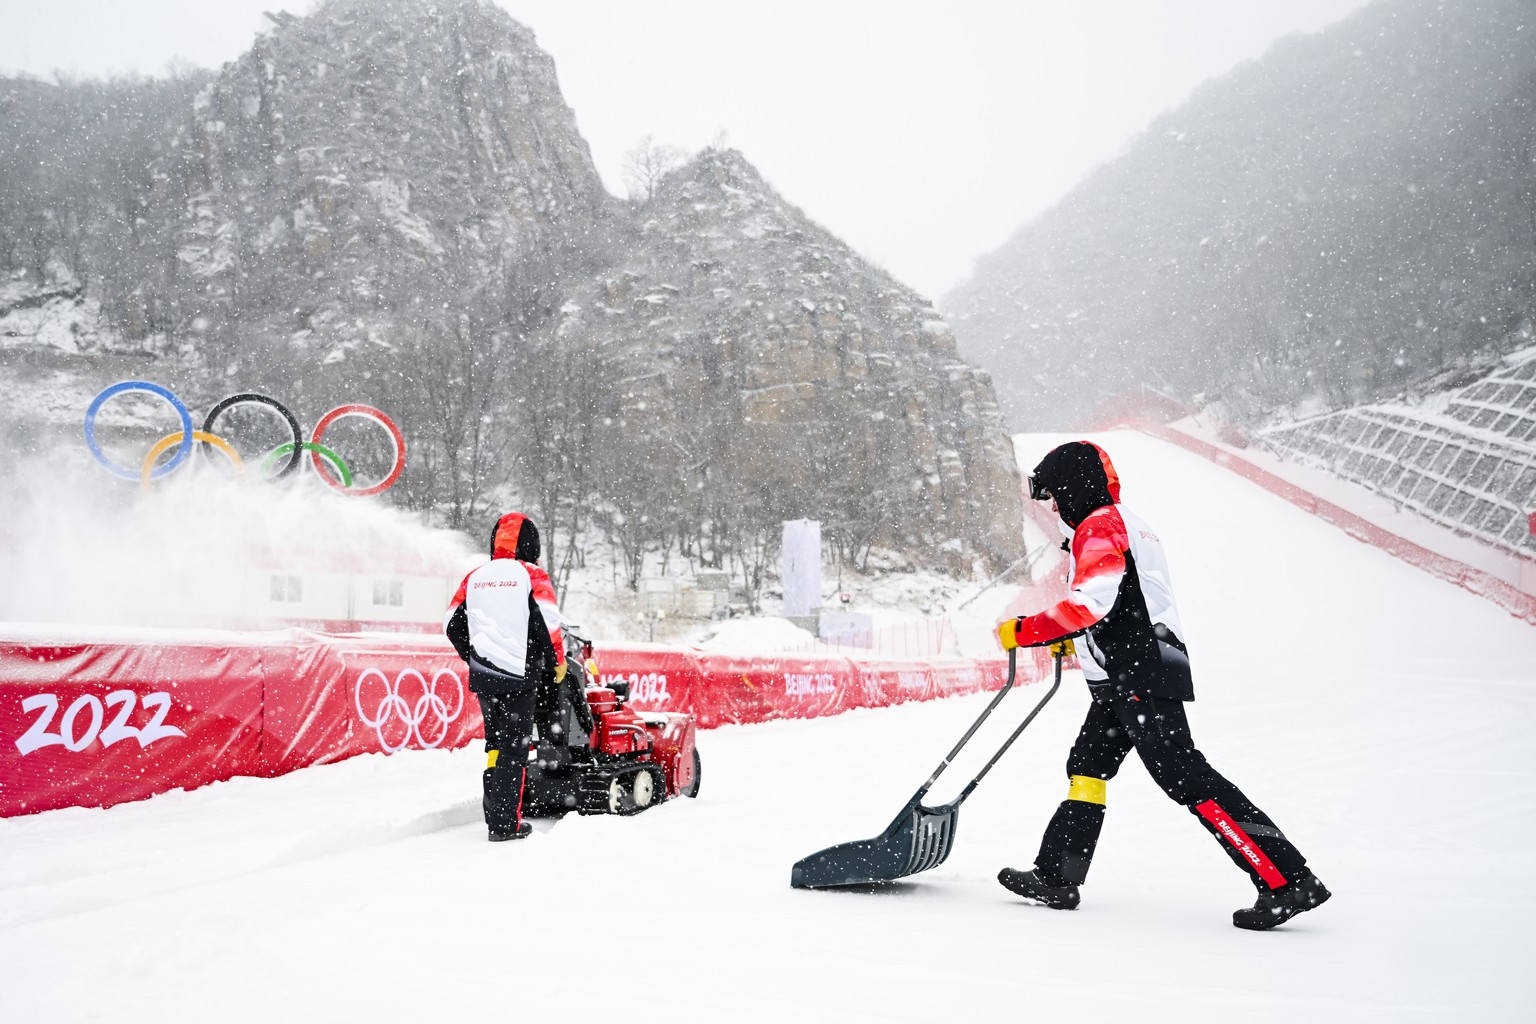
[392,705]
[338,476]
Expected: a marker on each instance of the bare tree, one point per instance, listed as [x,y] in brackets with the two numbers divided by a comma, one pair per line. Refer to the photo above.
[646,165]
[453,374]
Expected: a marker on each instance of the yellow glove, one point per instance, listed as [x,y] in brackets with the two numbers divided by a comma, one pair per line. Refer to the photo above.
[1063,647]
[1008,633]
[560,672]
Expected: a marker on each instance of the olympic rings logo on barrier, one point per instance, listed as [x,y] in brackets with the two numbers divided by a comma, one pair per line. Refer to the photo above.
[148,471]
[392,705]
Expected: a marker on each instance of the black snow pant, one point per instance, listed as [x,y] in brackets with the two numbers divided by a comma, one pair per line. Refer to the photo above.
[1158,730]
[508,732]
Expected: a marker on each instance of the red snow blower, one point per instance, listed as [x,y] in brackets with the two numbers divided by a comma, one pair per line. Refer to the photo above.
[920,837]
[593,754]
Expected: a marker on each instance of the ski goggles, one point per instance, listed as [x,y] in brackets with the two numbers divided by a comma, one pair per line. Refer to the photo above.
[1036,491]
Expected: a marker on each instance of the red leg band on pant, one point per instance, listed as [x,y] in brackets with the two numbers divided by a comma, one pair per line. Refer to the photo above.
[1211,811]
[522,784]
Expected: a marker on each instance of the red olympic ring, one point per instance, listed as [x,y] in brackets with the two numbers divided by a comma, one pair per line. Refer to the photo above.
[367,412]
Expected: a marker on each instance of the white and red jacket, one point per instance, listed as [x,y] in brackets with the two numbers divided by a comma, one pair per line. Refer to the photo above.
[1120,599]
[508,608]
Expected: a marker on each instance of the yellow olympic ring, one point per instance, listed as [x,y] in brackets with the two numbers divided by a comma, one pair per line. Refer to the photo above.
[173,439]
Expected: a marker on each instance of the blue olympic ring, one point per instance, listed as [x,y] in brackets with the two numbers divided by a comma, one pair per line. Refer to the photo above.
[155,389]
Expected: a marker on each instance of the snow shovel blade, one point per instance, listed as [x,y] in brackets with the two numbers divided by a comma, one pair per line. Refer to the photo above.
[918,839]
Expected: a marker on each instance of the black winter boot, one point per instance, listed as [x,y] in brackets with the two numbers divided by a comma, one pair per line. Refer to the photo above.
[503,804]
[1028,884]
[524,830]
[1280,905]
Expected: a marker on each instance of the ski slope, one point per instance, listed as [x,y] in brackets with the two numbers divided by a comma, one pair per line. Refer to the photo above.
[1382,717]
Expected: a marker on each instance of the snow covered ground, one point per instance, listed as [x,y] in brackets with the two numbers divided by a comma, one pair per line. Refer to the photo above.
[1382,717]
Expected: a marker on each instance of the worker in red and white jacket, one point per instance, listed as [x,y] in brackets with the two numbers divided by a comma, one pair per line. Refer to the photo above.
[505,622]
[1129,642]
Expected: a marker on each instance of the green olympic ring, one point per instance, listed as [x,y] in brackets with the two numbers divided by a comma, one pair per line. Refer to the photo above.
[318,449]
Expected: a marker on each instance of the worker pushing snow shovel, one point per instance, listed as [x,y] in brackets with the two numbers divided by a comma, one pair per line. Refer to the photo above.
[1137,668]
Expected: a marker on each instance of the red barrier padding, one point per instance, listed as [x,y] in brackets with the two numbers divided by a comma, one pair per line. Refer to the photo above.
[740,688]
[91,722]
[893,681]
[329,698]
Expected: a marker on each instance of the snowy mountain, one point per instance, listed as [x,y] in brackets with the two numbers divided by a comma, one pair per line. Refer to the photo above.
[388,201]
[742,356]
[1321,227]
[305,195]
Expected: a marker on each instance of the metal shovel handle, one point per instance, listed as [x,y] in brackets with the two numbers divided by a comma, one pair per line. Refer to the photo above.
[1013,657]
[1056,685]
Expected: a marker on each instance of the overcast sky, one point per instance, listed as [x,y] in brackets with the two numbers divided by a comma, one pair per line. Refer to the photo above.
[922,133]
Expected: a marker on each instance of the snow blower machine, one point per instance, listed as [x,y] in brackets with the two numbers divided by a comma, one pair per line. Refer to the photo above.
[594,754]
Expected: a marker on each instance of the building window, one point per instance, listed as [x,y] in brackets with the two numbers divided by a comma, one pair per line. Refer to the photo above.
[287,589]
[389,592]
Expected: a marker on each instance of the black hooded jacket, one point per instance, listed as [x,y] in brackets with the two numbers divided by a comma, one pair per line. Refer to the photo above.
[1121,600]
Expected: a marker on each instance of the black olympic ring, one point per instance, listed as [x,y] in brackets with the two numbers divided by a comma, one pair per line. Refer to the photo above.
[252,397]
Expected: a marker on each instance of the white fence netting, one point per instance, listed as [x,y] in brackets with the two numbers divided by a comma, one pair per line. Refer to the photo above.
[1469,464]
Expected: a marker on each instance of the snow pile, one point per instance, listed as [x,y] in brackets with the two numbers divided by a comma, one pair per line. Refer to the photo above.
[82,546]
[765,634]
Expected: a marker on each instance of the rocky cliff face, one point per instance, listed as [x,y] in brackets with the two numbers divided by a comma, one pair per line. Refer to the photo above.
[759,347]
[359,156]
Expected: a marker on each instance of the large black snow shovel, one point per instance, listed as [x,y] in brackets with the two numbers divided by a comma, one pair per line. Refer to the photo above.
[920,837]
